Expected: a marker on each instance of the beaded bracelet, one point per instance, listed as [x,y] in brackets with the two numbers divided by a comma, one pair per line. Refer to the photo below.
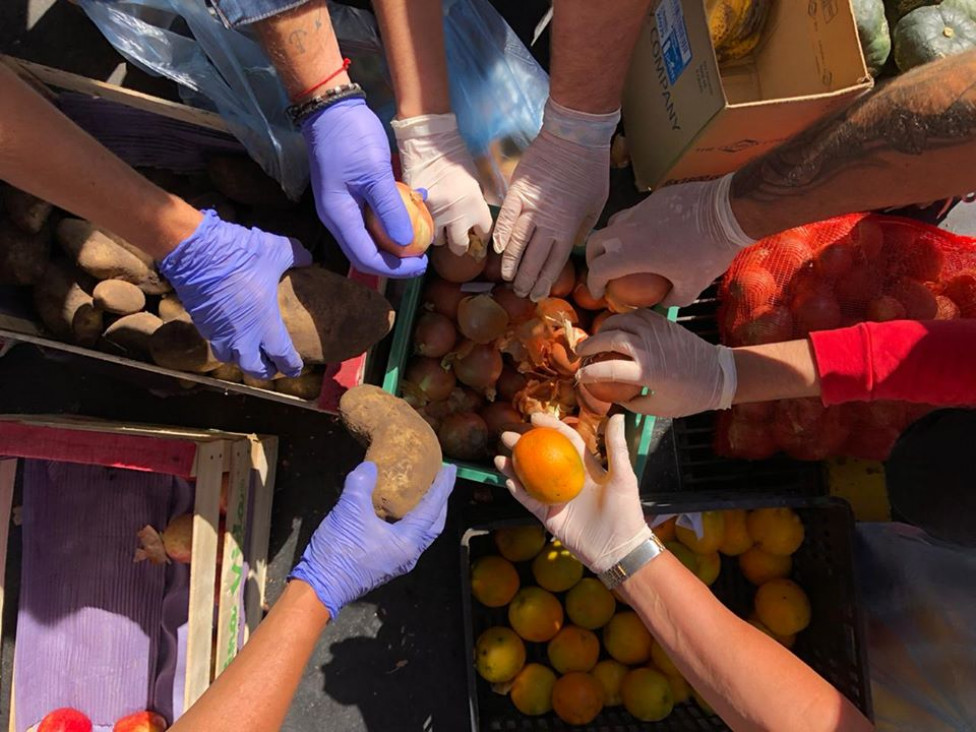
[298,112]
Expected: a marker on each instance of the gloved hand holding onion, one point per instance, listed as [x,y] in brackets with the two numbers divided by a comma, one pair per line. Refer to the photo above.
[420,219]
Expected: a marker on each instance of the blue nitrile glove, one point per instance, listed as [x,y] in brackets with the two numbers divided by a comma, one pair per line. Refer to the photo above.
[354,551]
[227,278]
[349,158]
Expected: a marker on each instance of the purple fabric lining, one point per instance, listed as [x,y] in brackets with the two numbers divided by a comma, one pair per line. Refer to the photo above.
[95,630]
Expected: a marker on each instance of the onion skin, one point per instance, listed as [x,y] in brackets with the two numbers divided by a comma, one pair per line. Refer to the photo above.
[639,290]
[443,297]
[554,308]
[433,380]
[481,319]
[434,336]
[565,281]
[609,391]
[463,436]
[420,218]
[454,268]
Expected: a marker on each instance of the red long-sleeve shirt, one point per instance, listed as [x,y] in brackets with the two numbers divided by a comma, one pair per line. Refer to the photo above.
[930,362]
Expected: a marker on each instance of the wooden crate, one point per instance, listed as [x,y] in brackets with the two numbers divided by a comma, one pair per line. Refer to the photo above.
[18,323]
[205,456]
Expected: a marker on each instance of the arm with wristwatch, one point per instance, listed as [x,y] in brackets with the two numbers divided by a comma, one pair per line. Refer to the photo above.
[715,650]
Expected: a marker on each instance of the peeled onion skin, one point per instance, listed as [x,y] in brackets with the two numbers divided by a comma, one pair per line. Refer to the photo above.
[420,218]
[609,391]
[639,290]
[481,319]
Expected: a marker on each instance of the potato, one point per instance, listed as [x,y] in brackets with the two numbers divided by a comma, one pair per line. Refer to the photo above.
[131,334]
[28,213]
[228,372]
[401,443]
[178,345]
[102,257]
[23,256]
[306,386]
[64,303]
[331,318]
[171,308]
[119,297]
[257,383]
[242,180]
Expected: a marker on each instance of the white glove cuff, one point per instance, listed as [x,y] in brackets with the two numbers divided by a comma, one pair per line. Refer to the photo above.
[423,126]
[588,130]
[616,553]
[726,220]
[730,379]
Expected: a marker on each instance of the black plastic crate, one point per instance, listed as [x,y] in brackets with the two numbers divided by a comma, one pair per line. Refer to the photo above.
[833,644]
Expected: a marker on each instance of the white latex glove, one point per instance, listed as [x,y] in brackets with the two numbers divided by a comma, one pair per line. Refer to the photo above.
[683,373]
[557,193]
[434,157]
[686,233]
[605,522]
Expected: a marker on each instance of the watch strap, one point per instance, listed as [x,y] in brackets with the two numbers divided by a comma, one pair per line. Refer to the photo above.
[628,566]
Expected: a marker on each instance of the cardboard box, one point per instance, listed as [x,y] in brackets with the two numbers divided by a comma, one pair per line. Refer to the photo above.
[687,119]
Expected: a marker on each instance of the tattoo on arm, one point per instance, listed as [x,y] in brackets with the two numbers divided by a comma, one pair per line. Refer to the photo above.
[928,109]
[296,39]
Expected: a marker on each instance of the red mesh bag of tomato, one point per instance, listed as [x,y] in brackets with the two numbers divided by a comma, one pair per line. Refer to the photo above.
[833,274]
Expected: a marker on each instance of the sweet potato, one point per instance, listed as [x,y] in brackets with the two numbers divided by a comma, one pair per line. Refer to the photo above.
[119,297]
[64,303]
[306,386]
[28,213]
[171,308]
[331,318]
[242,180]
[179,345]
[23,256]
[401,443]
[101,256]
[131,334]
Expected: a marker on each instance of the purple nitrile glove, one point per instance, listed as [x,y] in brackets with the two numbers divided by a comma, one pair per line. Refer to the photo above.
[354,551]
[227,278]
[349,158]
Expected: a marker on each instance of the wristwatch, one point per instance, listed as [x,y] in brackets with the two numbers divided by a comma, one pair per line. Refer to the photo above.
[628,566]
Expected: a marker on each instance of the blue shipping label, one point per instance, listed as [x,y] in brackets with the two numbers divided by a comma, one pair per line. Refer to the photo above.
[675,47]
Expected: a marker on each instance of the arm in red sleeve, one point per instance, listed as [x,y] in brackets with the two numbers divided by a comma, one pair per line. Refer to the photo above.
[932,362]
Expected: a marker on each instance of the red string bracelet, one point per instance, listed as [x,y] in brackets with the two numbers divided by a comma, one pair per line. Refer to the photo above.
[345,65]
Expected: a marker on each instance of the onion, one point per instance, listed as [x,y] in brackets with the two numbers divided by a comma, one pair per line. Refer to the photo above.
[589,401]
[555,309]
[481,319]
[420,219]
[501,417]
[434,336]
[510,383]
[584,298]
[464,436]
[443,297]
[493,267]
[454,268]
[640,290]
[432,380]
[598,320]
[609,391]
[465,400]
[565,281]
[519,309]
[479,368]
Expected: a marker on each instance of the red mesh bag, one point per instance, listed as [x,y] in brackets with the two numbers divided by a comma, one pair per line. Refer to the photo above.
[833,274]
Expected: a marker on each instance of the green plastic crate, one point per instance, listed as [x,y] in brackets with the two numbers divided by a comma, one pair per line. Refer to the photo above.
[639,427]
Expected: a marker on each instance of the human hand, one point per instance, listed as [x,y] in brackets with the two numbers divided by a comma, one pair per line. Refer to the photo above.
[349,158]
[354,551]
[227,278]
[683,373]
[558,191]
[605,522]
[686,233]
[434,157]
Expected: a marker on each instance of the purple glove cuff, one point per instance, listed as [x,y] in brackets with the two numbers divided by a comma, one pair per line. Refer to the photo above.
[176,265]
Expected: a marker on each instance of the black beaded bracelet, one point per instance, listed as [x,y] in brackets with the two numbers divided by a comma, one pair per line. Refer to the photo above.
[298,112]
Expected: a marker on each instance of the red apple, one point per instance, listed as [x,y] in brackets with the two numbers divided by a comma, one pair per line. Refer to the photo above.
[141,722]
[65,719]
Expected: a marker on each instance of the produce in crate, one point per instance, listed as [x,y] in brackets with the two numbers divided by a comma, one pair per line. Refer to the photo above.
[23,254]
[28,213]
[873,33]
[141,722]
[500,654]
[736,26]
[65,719]
[930,33]
[420,219]
[577,698]
[175,543]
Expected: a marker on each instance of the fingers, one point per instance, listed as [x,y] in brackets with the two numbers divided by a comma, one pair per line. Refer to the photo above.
[300,256]
[511,208]
[345,220]
[610,340]
[536,508]
[535,252]
[430,514]
[618,455]
[253,363]
[281,351]
[558,256]
[359,485]
[383,197]
[482,223]
[518,242]
[457,238]
[616,370]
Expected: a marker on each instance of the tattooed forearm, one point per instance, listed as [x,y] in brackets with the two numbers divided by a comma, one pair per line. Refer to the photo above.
[295,40]
[920,126]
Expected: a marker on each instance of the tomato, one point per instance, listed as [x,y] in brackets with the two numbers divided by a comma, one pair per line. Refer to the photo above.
[945,309]
[808,280]
[962,291]
[834,260]
[816,310]
[916,298]
[789,255]
[885,308]
[868,239]
[768,324]
[913,253]
[753,287]
[749,440]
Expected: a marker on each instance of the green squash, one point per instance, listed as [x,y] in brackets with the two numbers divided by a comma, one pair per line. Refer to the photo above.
[930,33]
[898,9]
[872,30]
[966,6]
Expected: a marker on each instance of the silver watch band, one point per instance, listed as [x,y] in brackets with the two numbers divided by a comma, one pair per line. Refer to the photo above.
[636,559]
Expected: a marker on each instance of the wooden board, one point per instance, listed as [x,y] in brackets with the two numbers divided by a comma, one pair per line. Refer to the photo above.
[232,561]
[264,458]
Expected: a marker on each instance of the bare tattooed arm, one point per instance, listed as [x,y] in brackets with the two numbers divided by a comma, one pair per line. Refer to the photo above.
[912,140]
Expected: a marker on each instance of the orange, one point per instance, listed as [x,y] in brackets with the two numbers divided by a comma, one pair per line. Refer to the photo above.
[709,565]
[610,674]
[713,532]
[776,530]
[736,539]
[647,694]
[499,654]
[626,639]
[577,698]
[759,567]
[555,568]
[494,581]
[680,689]
[531,691]
[662,661]
[683,554]
[535,614]
[548,465]
[786,640]
[783,607]
[665,531]
[573,649]
[589,604]
[520,543]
